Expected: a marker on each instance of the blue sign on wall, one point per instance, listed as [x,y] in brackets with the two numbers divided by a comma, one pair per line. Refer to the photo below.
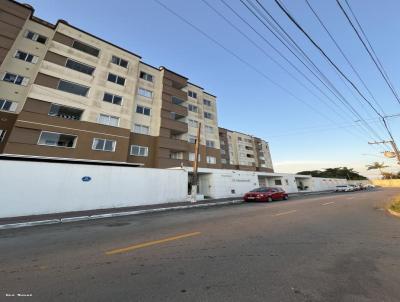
[86,178]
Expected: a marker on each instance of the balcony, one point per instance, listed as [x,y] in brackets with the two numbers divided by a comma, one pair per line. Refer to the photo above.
[181,110]
[176,127]
[173,144]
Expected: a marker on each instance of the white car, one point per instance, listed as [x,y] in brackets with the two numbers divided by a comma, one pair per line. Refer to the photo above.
[344,188]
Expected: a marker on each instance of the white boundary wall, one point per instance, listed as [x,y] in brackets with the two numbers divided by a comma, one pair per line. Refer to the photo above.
[32,188]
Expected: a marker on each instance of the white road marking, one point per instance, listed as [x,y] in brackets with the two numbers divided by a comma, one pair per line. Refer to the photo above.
[326,203]
[285,213]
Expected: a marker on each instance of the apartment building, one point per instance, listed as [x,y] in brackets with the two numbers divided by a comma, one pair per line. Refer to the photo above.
[65,93]
[241,151]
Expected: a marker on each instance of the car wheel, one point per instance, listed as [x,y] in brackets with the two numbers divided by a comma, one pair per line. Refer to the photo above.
[269,199]
[285,197]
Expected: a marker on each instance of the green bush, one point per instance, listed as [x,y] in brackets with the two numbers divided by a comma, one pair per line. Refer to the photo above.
[395,206]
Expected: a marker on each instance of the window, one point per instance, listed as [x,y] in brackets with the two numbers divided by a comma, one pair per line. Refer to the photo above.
[116,79]
[192,139]
[57,139]
[86,48]
[71,64]
[207,102]
[104,144]
[7,105]
[15,79]
[73,88]
[207,115]
[112,98]
[209,129]
[210,144]
[146,93]
[27,57]
[65,112]
[143,110]
[192,94]
[145,76]
[223,161]
[139,150]
[142,129]
[35,37]
[193,123]
[2,134]
[192,156]
[118,61]
[211,160]
[176,155]
[108,120]
[278,182]
[193,108]
[239,138]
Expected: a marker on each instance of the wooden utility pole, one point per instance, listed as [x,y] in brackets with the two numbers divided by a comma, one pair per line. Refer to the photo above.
[195,166]
[394,146]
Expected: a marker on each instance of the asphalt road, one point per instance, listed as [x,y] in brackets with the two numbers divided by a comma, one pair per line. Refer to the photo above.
[341,247]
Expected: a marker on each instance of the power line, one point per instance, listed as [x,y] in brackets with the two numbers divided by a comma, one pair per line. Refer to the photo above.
[333,64]
[285,36]
[375,59]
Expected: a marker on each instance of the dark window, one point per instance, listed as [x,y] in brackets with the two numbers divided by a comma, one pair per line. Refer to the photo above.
[15,79]
[207,115]
[278,182]
[177,101]
[86,48]
[207,102]
[118,61]
[73,88]
[192,94]
[27,57]
[79,67]
[57,139]
[116,79]
[35,37]
[65,112]
[112,98]
[143,110]
[146,76]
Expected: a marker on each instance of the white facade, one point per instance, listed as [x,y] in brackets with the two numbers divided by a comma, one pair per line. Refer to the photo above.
[33,188]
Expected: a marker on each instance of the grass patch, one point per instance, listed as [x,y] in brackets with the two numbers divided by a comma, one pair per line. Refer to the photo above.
[395,206]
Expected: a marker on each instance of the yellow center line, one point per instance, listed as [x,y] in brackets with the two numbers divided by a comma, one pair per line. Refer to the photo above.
[150,243]
[284,213]
[326,203]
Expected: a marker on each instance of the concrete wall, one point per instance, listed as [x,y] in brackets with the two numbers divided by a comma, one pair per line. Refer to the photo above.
[32,188]
[324,184]
[386,182]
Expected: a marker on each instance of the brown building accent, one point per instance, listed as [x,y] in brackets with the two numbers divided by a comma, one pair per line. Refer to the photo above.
[63,39]
[34,119]
[47,81]
[145,141]
[55,58]
[7,121]
[12,19]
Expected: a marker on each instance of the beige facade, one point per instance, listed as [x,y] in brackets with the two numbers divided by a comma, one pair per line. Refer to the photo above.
[65,93]
[243,151]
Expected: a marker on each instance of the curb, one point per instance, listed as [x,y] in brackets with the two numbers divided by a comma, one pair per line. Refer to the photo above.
[109,215]
[397,214]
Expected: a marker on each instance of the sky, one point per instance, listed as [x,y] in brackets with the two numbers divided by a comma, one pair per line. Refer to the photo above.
[307,129]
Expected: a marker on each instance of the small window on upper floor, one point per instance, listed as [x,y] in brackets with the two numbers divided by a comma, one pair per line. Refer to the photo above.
[112,98]
[193,108]
[143,110]
[118,61]
[101,144]
[146,93]
[209,129]
[146,76]
[116,79]
[80,67]
[210,144]
[35,37]
[142,129]
[7,105]
[27,57]
[86,48]
[208,115]
[207,102]
[192,94]
[109,120]
[15,79]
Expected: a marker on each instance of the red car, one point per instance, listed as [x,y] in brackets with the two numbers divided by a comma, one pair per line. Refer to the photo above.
[265,194]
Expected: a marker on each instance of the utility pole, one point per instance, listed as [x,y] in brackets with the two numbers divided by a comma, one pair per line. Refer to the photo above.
[195,166]
[394,146]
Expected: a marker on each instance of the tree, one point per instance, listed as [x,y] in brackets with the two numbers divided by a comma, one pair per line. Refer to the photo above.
[377,166]
[340,172]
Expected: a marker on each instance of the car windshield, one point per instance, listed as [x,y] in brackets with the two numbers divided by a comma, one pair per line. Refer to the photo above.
[260,190]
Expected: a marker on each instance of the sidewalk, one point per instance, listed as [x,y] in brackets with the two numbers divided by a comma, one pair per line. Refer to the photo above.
[24,221]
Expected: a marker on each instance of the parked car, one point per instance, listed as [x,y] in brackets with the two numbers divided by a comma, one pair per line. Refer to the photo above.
[356,187]
[345,188]
[265,194]
[369,187]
